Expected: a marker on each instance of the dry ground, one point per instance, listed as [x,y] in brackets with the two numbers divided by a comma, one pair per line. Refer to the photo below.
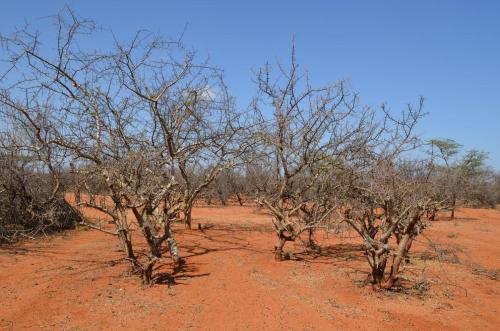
[77,281]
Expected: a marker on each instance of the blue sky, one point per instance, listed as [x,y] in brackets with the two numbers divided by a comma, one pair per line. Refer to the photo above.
[390,51]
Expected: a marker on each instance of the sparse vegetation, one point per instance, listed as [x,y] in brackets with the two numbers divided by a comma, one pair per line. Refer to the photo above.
[140,131]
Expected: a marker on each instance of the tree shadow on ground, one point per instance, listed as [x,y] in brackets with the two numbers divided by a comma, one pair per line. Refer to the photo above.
[182,272]
[332,253]
[217,240]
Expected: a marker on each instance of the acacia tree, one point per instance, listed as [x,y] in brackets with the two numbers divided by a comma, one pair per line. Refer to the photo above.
[448,180]
[475,178]
[109,124]
[389,201]
[386,194]
[196,124]
[300,134]
[466,178]
[31,182]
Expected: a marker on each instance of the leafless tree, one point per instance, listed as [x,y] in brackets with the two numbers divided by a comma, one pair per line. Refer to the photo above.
[230,184]
[144,128]
[195,122]
[387,194]
[31,179]
[105,110]
[301,132]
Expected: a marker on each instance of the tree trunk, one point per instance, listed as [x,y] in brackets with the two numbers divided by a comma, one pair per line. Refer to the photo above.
[378,275]
[240,200]
[453,204]
[432,215]
[278,252]
[401,253]
[126,244]
[310,243]
[404,245]
[153,243]
[147,271]
[222,199]
[121,225]
[187,216]
[172,244]
[377,263]
[148,231]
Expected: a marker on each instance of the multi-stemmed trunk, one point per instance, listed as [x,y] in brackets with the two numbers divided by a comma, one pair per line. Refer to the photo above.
[401,254]
[310,243]
[283,237]
[278,249]
[155,239]
[378,261]
[156,253]
[377,274]
[378,258]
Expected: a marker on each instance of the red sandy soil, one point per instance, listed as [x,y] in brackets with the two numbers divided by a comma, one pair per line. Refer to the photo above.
[78,281]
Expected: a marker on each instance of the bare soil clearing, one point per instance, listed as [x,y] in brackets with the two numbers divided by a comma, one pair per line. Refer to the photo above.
[78,281]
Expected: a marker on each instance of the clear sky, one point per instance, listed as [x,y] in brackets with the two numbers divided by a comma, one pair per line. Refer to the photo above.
[391,51]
